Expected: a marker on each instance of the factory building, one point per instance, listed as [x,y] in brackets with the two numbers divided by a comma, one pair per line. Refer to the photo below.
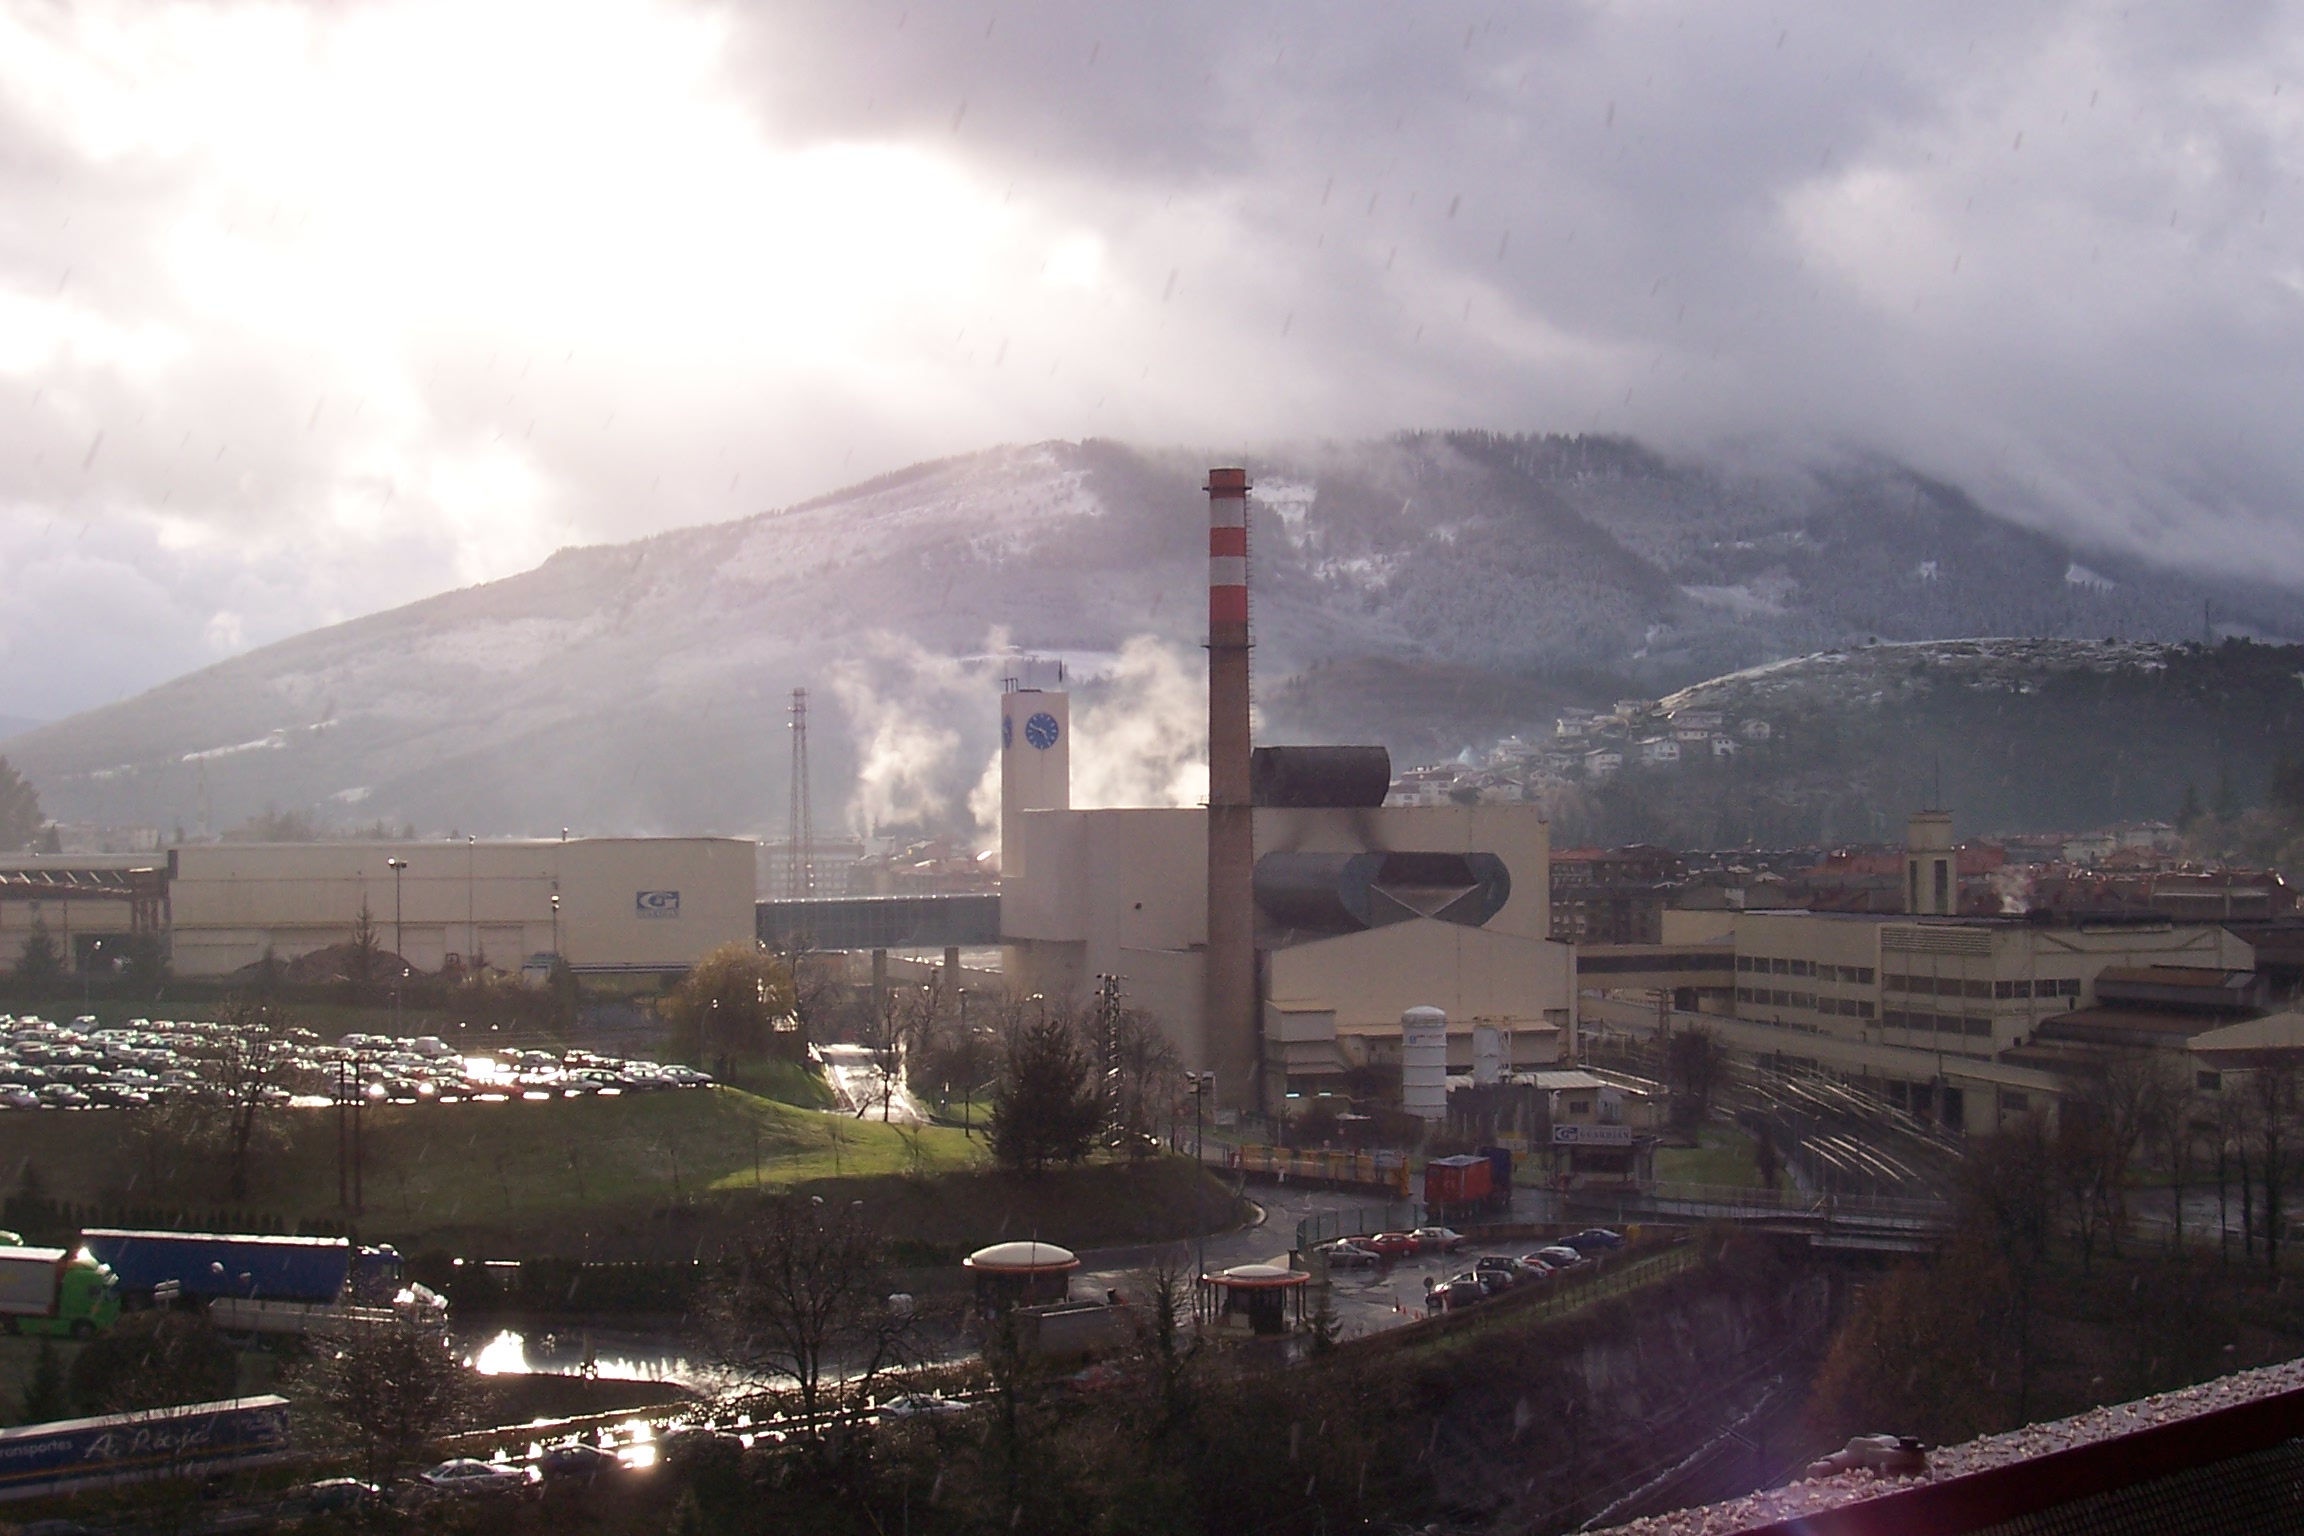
[604,904]
[1333,913]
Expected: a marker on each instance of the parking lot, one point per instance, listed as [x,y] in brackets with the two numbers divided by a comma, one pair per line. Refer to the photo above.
[81,1066]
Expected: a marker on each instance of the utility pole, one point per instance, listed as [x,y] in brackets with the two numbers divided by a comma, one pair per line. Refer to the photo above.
[1108,1023]
[399,955]
[1201,1084]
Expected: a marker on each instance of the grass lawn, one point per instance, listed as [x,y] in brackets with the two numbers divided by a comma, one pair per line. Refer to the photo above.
[637,1176]
[516,1165]
[1722,1156]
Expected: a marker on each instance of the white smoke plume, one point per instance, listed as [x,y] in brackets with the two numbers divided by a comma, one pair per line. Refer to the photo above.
[1140,734]
[909,710]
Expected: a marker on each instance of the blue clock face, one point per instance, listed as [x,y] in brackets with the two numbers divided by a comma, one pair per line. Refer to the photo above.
[1040,730]
[1007,732]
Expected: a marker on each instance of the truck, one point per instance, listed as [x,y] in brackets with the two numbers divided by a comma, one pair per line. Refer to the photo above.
[1455,1185]
[56,1292]
[254,1284]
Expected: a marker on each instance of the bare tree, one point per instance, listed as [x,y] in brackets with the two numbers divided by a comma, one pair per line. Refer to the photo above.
[1693,1061]
[393,1385]
[1144,1076]
[803,1292]
[900,1029]
[245,1058]
[2273,1088]
[2134,1094]
[2007,1205]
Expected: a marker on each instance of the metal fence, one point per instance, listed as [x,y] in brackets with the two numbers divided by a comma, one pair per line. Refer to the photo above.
[1710,1202]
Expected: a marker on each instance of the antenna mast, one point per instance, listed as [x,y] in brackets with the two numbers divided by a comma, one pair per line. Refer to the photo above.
[800,829]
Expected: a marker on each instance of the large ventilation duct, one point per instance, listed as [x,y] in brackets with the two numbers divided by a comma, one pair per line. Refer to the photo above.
[1347,892]
[1320,777]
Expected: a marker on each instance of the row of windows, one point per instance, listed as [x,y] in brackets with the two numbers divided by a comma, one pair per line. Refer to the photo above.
[1940,1023]
[1861,975]
[1954,986]
[1854,1008]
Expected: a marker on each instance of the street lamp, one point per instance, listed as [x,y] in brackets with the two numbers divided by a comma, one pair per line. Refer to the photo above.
[399,955]
[1202,1084]
[555,926]
[471,921]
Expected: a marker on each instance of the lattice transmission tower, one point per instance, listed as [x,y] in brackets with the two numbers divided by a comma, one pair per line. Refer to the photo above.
[800,828]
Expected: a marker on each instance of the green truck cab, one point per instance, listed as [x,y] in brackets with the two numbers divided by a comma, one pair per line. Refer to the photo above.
[56,1293]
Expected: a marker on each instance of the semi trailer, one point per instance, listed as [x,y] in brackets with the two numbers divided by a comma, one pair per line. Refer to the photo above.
[251,1284]
[56,1292]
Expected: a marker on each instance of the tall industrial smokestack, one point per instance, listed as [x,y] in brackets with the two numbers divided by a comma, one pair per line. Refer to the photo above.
[1229,1046]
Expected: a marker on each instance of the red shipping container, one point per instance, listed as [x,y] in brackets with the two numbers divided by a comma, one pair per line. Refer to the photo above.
[1452,1181]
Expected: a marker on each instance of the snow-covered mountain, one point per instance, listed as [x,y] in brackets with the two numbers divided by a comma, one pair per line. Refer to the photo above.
[1427,591]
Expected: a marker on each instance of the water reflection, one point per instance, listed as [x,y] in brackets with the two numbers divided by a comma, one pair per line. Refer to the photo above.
[578,1352]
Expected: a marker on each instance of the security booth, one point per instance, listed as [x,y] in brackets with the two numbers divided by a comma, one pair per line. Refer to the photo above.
[1020,1274]
[1263,1298]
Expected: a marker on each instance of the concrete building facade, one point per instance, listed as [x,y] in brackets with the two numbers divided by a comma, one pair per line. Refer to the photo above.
[624,904]
[1360,914]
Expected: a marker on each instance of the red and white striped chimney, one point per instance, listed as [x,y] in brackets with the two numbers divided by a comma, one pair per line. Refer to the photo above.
[1229,1045]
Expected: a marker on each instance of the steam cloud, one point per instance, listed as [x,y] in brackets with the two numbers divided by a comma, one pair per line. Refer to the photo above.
[1139,733]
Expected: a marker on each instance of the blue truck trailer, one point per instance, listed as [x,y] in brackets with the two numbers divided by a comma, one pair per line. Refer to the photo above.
[203,1266]
[199,1440]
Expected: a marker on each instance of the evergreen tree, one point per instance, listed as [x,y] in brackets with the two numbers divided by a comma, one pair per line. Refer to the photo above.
[1045,1108]
[46,1397]
[20,817]
[2188,815]
[40,965]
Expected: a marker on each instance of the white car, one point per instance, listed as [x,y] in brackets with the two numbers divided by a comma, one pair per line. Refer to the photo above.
[464,1475]
[1439,1239]
[920,1405]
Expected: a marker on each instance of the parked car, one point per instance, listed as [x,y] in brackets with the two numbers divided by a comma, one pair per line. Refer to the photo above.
[1511,1269]
[1439,1239]
[1492,1282]
[466,1476]
[1393,1245]
[338,1495]
[1351,1253]
[920,1405]
[576,1462]
[1536,1265]
[1461,1291]
[1560,1256]
[1594,1240]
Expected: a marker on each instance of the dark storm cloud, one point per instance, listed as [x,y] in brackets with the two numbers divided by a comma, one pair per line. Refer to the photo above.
[544,274]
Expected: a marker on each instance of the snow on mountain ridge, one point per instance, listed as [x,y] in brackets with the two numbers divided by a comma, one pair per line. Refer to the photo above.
[643,686]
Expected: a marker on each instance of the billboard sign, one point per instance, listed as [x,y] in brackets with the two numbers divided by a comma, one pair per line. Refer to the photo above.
[657,904]
[1592,1135]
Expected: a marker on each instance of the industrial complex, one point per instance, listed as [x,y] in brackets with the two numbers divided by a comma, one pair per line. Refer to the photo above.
[1318,926]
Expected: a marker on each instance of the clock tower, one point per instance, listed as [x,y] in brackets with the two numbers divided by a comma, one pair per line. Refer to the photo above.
[1035,764]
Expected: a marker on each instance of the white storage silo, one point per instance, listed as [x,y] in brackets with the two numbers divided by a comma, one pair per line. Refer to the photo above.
[1487,1055]
[1424,1063]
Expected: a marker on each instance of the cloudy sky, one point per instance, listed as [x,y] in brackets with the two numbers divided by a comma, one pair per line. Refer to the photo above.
[307,311]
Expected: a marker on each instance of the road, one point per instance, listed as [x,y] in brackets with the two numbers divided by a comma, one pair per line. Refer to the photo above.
[856,1076]
[1365,1300]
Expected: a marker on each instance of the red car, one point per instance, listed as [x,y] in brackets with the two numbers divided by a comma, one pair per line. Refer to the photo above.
[1392,1245]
